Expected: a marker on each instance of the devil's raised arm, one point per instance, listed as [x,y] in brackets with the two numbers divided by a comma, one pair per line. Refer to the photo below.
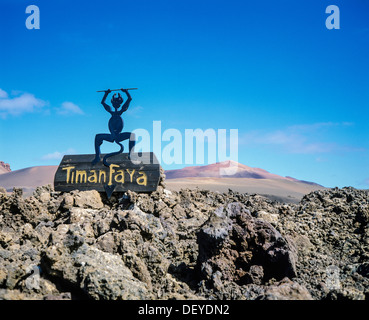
[127,93]
[106,106]
[128,101]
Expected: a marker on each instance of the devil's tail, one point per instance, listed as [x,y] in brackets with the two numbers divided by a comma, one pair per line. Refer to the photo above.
[113,154]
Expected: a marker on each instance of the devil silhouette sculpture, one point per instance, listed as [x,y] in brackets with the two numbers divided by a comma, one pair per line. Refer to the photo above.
[115,126]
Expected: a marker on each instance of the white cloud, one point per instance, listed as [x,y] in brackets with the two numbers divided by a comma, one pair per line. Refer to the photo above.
[311,127]
[135,111]
[69,108]
[53,156]
[3,94]
[57,155]
[321,159]
[24,103]
[295,142]
[300,139]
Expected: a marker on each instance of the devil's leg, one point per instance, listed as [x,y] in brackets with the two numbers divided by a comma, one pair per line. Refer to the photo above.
[98,142]
[132,139]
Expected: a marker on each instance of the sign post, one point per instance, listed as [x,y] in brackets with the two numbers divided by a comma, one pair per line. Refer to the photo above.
[124,171]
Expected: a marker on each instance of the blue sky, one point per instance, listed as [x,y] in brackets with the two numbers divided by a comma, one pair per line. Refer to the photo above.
[296,91]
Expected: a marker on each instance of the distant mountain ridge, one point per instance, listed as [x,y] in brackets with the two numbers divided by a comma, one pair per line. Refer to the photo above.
[227,169]
[28,178]
[4,167]
[220,173]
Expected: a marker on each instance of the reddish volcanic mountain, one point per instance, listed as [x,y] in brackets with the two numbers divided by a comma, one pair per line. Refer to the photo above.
[216,177]
[225,169]
[4,167]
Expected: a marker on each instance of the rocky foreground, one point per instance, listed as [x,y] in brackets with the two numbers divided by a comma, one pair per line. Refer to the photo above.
[192,244]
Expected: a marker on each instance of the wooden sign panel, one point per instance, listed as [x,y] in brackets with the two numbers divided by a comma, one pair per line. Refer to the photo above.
[141,174]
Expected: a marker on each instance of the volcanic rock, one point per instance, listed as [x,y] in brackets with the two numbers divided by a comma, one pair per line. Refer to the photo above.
[191,244]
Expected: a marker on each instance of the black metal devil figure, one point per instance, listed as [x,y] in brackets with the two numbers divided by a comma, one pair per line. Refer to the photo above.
[115,126]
